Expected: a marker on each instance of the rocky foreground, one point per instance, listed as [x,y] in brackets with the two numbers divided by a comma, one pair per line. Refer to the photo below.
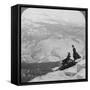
[72,73]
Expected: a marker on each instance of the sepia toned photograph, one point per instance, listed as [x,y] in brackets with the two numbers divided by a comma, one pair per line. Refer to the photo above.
[53,44]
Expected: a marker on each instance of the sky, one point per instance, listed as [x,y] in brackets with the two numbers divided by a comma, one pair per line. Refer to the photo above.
[54,16]
[41,22]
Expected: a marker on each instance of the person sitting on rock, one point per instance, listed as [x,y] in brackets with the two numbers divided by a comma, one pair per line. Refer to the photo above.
[65,61]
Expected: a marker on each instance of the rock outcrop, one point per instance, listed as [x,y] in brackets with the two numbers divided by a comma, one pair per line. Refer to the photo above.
[72,73]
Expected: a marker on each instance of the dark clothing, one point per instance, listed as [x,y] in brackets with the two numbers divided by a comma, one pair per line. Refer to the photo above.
[75,54]
[66,59]
[67,62]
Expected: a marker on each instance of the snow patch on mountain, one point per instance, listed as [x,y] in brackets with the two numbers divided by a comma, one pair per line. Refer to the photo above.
[55,49]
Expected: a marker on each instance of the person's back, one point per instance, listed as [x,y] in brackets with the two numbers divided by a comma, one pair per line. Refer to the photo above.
[67,58]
